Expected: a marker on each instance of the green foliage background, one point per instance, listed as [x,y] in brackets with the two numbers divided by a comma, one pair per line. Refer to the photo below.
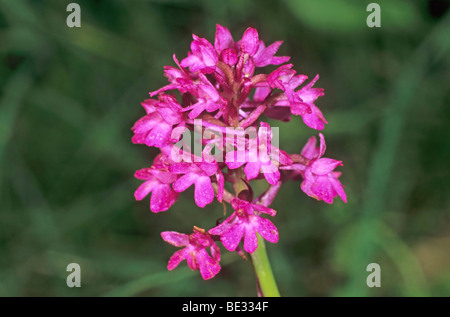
[69,97]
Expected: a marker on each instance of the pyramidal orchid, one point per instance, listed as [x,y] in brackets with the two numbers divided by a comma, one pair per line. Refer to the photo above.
[221,93]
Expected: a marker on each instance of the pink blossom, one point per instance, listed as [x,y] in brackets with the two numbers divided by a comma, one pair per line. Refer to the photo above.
[203,57]
[198,174]
[245,222]
[157,181]
[300,102]
[194,252]
[208,98]
[313,119]
[259,157]
[320,180]
[265,55]
[250,42]
[223,39]
[155,129]
[179,79]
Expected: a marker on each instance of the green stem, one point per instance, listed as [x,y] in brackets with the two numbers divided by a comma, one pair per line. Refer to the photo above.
[263,270]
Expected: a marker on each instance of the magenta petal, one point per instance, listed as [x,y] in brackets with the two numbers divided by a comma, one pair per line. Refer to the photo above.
[272,178]
[264,57]
[267,230]
[198,108]
[182,168]
[284,158]
[207,265]
[252,169]
[225,226]
[324,166]
[249,68]
[322,189]
[306,187]
[210,57]
[250,41]
[163,197]
[164,176]
[169,115]
[250,239]
[232,237]
[229,56]
[159,136]
[208,168]
[223,39]
[145,188]
[300,109]
[323,145]
[204,192]
[184,182]
[297,81]
[190,259]
[309,150]
[191,60]
[261,93]
[215,252]
[220,186]
[144,174]
[277,60]
[175,238]
[146,123]
[338,188]
[314,119]
[175,259]
[264,209]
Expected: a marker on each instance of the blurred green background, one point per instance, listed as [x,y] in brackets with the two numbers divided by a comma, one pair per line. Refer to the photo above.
[69,97]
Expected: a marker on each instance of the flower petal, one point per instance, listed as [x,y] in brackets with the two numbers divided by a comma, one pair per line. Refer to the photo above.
[250,239]
[175,259]
[309,150]
[232,237]
[252,169]
[264,209]
[225,226]
[338,187]
[175,238]
[250,41]
[324,166]
[323,146]
[267,230]
[207,265]
[163,197]
[145,188]
[223,38]
[204,192]
[184,182]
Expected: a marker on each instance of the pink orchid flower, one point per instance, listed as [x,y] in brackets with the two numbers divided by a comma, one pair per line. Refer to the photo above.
[194,252]
[320,180]
[198,174]
[157,181]
[259,157]
[245,222]
[155,129]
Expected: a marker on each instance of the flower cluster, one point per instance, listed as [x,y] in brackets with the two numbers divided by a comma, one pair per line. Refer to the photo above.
[219,89]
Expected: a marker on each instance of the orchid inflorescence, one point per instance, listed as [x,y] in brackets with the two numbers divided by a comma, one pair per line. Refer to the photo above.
[222,99]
